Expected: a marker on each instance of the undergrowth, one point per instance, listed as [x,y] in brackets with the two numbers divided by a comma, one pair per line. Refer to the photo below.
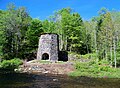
[93,69]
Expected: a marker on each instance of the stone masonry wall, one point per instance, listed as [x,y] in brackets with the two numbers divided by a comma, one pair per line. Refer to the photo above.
[48,44]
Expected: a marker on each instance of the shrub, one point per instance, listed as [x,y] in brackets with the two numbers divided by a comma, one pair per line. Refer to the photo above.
[103,62]
[95,69]
[89,56]
[92,62]
[104,68]
[81,66]
[10,64]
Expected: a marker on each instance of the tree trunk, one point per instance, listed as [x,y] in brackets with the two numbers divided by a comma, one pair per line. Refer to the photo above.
[114,52]
[66,43]
[96,46]
[111,53]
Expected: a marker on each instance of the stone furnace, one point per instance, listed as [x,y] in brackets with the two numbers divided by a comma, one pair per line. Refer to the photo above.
[48,47]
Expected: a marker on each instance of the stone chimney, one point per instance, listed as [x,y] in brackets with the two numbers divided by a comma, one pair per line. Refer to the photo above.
[48,47]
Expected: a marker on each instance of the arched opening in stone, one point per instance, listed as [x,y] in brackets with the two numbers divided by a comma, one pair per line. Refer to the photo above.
[45,56]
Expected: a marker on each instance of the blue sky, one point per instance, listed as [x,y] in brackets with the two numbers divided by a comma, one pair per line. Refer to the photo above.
[44,8]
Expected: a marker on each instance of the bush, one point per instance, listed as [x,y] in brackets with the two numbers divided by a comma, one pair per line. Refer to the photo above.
[89,56]
[103,62]
[81,65]
[104,68]
[10,64]
[92,68]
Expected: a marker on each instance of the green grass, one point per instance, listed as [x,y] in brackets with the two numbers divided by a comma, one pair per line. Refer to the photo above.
[48,62]
[91,69]
[44,61]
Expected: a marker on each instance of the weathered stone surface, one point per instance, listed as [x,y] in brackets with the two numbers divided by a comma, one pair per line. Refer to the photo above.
[48,47]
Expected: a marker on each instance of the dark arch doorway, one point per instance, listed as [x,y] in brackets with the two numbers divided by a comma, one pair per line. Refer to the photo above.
[45,56]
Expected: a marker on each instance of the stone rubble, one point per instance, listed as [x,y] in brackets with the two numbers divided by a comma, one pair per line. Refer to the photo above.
[51,68]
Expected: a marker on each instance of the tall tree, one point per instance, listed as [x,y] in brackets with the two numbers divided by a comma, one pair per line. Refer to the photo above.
[116,37]
[1,33]
[33,33]
[15,21]
[70,28]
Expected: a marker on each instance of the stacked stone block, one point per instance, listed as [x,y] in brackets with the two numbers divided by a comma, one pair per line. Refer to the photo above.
[48,47]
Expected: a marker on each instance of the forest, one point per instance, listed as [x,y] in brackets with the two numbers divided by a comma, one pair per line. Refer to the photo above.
[98,37]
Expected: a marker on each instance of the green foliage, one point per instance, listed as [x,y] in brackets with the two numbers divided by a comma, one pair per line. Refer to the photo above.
[69,27]
[103,62]
[118,57]
[89,56]
[13,25]
[92,69]
[33,33]
[10,64]
[81,66]
[49,27]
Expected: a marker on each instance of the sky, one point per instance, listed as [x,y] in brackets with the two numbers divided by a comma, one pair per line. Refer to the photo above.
[42,9]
